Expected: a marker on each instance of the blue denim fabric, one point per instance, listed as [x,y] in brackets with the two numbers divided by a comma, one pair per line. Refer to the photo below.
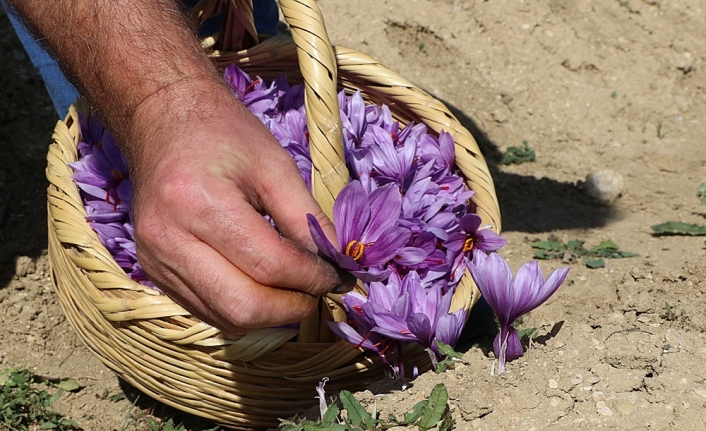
[63,94]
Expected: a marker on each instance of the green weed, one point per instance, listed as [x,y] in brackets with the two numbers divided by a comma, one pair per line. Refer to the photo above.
[426,414]
[518,155]
[24,404]
[574,249]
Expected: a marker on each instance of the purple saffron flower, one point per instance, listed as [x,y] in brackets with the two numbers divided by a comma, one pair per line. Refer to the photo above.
[368,234]
[418,313]
[440,151]
[392,163]
[474,237]
[358,329]
[511,298]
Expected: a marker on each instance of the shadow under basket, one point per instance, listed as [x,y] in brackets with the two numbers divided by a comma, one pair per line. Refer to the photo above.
[251,380]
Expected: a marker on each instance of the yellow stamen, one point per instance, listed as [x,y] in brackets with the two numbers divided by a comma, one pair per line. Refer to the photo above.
[468,245]
[117,174]
[355,249]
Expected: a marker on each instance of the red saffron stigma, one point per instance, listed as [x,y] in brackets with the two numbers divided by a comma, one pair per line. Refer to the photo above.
[363,340]
[251,86]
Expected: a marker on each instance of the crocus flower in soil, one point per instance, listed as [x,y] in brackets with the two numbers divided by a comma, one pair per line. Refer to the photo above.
[368,234]
[511,298]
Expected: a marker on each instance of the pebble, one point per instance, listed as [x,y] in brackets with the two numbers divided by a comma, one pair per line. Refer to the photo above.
[674,338]
[553,384]
[603,409]
[604,186]
[625,407]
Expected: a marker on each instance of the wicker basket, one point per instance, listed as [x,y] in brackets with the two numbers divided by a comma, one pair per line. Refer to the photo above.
[244,381]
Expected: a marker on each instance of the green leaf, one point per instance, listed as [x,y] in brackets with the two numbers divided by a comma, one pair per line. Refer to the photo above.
[678,228]
[627,254]
[6,375]
[518,155]
[527,332]
[548,245]
[68,384]
[357,415]
[152,424]
[415,414]
[448,422]
[316,426]
[331,414]
[538,254]
[593,263]
[116,397]
[605,245]
[287,425]
[55,397]
[70,423]
[447,350]
[47,426]
[576,245]
[434,408]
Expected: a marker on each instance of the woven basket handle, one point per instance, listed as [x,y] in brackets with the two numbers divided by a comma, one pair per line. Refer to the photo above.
[237,23]
[317,62]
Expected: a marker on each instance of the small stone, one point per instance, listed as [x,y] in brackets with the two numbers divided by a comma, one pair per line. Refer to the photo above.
[700,392]
[576,381]
[625,407]
[674,338]
[603,409]
[604,186]
[24,265]
[553,384]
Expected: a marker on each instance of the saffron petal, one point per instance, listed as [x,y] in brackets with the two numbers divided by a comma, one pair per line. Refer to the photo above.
[351,213]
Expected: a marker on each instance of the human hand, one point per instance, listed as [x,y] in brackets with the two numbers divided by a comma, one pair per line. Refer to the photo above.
[204,171]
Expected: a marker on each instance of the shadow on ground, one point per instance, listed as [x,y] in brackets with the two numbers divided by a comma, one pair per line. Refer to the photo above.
[529,204]
[27,120]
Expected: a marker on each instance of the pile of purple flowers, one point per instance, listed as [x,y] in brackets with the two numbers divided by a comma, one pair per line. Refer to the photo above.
[406,225]
[103,179]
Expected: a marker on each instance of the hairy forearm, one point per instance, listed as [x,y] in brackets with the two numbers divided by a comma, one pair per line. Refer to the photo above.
[122,53]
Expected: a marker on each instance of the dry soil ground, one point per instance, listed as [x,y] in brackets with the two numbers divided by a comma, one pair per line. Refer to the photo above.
[590,85]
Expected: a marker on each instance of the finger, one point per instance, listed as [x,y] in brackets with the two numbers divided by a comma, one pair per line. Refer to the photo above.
[287,200]
[221,294]
[233,227]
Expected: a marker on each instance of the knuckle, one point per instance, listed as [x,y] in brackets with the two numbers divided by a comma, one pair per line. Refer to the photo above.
[266,269]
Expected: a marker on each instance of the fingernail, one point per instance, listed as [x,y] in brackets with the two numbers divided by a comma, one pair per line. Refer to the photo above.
[343,288]
[347,279]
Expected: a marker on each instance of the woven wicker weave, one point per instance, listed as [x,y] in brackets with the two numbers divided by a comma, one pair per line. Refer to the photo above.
[244,381]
